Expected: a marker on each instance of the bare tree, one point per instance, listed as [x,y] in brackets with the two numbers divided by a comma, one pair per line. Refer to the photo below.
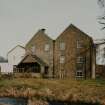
[101,3]
[101,19]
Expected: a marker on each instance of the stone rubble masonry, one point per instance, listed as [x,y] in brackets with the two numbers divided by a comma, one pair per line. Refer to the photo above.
[69,36]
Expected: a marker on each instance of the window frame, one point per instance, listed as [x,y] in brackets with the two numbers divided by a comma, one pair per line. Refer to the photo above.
[80,59]
[47,47]
[33,49]
[62,46]
[79,44]
[79,74]
[62,59]
[80,66]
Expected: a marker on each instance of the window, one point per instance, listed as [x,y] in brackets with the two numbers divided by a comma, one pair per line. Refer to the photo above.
[62,59]
[80,59]
[79,44]
[33,49]
[80,69]
[79,74]
[47,47]
[46,70]
[62,46]
[35,68]
[80,66]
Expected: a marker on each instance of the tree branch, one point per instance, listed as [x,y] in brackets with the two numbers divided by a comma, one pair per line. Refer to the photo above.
[101,22]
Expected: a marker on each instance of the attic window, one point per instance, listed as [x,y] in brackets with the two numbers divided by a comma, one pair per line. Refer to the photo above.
[62,46]
[79,44]
[47,47]
[33,49]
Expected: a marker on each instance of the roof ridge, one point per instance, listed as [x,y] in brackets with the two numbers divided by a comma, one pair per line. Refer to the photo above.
[75,27]
[14,48]
[35,56]
[37,33]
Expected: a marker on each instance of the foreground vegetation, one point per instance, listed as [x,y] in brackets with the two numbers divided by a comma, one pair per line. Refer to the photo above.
[63,90]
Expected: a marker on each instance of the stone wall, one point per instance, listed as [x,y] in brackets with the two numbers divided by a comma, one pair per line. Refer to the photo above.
[70,37]
[39,41]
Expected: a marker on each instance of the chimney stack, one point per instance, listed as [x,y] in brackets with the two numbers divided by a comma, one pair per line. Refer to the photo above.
[43,30]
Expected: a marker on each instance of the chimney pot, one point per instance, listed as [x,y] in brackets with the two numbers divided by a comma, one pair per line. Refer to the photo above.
[43,29]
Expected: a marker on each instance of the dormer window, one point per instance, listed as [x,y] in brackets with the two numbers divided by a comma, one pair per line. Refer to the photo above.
[47,47]
[62,46]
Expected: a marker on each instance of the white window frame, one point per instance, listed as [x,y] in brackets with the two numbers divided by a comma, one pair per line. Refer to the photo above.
[62,45]
[47,47]
[79,59]
[78,72]
[33,48]
[79,44]
[62,59]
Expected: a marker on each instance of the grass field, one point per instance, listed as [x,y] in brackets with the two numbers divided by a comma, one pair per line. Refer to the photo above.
[83,90]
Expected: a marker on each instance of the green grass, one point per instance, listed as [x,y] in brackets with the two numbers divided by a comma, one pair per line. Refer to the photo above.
[48,83]
[41,83]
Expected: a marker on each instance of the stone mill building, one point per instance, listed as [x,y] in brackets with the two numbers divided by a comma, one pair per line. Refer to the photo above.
[70,55]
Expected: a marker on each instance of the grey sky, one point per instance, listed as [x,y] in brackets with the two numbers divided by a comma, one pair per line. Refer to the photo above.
[20,19]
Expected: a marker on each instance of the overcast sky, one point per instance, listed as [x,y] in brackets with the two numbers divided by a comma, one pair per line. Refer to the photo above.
[20,19]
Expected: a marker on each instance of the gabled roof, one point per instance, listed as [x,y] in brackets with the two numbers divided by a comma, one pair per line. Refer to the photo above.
[32,59]
[14,48]
[73,27]
[39,32]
